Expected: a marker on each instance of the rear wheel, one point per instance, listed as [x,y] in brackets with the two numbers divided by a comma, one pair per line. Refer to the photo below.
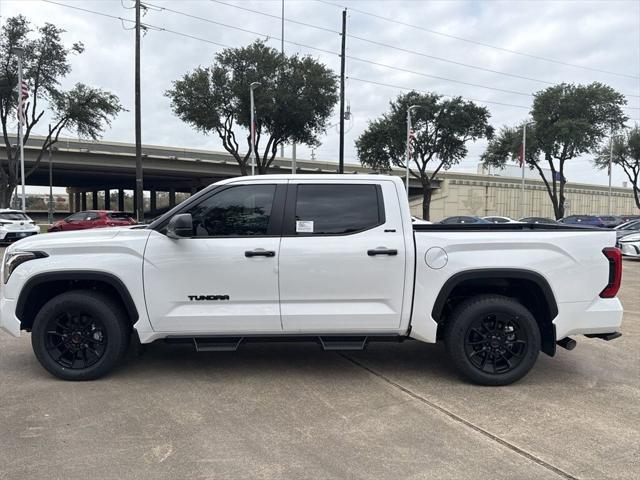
[80,335]
[492,340]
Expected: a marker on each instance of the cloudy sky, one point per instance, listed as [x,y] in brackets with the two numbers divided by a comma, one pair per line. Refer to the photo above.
[558,41]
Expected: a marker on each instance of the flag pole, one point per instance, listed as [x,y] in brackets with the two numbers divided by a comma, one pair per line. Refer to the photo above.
[20,120]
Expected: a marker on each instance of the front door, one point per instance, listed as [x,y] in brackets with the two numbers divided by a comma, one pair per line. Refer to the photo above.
[342,258]
[224,279]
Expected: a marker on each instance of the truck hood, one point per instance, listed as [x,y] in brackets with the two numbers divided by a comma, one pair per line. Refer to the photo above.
[78,238]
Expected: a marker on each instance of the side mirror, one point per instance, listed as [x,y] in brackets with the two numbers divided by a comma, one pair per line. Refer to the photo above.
[180,226]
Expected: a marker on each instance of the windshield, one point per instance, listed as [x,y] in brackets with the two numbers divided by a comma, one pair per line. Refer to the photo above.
[632,225]
[13,216]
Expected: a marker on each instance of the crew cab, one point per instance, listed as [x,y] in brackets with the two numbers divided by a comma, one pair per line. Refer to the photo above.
[331,258]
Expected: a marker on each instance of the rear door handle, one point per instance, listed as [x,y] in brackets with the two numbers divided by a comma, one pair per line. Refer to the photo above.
[259,252]
[382,251]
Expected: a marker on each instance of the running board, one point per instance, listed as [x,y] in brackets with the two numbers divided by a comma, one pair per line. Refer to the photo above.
[332,343]
[219,344]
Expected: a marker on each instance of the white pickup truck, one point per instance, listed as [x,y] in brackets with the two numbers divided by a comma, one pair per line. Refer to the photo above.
[333,258]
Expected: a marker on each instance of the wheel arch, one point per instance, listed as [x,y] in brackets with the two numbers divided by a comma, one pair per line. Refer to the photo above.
[530,288]
[42,287]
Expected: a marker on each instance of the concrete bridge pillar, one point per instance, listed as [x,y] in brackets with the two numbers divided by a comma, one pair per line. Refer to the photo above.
[172,197]
[121,199]
[76,201]
[94,200]
[152,200]
[107,199]
[83,200]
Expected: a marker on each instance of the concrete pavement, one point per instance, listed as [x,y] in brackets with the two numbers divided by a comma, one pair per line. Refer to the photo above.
[291,411]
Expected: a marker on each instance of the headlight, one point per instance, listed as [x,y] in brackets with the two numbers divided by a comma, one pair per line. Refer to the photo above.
[13,259]
[634,237]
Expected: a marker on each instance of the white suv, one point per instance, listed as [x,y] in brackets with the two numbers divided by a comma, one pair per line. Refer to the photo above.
[15,224]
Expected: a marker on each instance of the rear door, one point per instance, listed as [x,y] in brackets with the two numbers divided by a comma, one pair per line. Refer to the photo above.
[342,257]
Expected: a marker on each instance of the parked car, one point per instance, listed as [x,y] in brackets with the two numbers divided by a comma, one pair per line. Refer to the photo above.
[329,258]
[419,221]
[496,219]
[545,220]
[611,221]
[93,219]
[583,220]
[627,228]
[628,218]
[629,244]
[462,219]
[15,224]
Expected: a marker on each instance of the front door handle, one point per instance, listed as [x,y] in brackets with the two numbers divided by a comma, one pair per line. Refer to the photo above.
[259,252]
[382,251]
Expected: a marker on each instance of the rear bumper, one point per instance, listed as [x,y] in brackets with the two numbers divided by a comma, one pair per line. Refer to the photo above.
[601,316]
[8,320]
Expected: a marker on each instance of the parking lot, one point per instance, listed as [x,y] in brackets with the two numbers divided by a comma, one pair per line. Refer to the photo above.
[292,411]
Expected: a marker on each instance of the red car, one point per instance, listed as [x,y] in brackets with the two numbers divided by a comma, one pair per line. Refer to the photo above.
[93,219]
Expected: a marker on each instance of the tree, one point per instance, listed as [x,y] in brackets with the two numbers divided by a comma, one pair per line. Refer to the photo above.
[568,121]
[441,130]
[83,109]
[293,102]
[626,153]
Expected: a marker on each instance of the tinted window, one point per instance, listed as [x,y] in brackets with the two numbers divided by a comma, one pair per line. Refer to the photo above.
[76,217]
[92,216]
[450,220]
[13,216]
[235,211]
[119,215]
[336,209]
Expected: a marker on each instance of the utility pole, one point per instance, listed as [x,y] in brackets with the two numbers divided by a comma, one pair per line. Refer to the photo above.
[50,219]
[293,170]
[523,162]
[139,192]
[342,65]
[408,153]
[252,133]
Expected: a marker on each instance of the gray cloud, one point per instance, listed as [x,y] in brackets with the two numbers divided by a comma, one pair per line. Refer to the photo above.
[603,35]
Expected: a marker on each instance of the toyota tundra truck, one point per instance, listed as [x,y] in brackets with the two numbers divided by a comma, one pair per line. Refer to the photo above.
[330,258]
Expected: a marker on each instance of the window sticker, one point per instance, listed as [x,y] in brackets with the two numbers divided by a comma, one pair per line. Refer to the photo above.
[304,226]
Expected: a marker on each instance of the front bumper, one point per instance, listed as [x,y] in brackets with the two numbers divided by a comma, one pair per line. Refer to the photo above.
[630,249]
[8,320]
[12,236]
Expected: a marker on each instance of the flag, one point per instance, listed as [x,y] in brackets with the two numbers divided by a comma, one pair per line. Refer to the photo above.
[22,103]
[254,127]
[412,137]
[521,155]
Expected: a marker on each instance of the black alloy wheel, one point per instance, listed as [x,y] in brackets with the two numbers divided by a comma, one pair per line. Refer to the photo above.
[496,343]
[76,340]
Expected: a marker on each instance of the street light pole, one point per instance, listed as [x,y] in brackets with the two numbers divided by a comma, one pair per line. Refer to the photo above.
[252,87]
[50,219]
[19,52]
[523,165]
[408,152]
[609,212]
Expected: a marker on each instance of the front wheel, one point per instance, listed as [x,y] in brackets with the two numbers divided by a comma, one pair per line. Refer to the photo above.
[492,339]
[80,335]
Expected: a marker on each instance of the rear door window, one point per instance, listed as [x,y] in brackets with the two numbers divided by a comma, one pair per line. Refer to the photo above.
[337,209]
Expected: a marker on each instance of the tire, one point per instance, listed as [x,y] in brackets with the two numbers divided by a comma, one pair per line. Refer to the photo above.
[492,340]
[80,335]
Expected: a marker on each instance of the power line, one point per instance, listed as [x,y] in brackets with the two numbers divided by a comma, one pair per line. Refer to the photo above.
[476,42]
[193,37]
[437,77]
[269,37]
[289,20]
[424,91]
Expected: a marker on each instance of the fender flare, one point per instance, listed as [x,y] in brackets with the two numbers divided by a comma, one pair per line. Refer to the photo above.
[77,275]
[497,273]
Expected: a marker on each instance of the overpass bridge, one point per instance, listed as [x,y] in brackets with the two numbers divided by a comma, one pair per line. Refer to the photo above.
[84,166]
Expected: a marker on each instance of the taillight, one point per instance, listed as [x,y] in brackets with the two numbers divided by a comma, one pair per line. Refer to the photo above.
[614,256]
